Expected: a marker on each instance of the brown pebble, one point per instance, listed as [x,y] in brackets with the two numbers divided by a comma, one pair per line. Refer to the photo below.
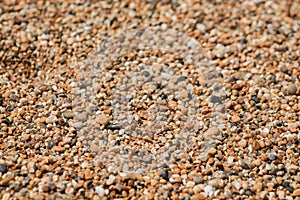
[59,149]
[5,181]
[255,145]
[296,192]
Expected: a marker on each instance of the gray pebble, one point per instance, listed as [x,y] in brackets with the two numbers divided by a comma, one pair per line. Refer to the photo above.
[3,168]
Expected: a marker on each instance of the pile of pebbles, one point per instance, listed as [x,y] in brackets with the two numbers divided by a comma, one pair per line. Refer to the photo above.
[149,123]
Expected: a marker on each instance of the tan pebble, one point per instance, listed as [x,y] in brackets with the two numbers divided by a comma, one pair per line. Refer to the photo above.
[45,188]
[51,119]
[212,151]
[296,192]
[257,187]
[212,131]
[59,149]
[242,143]
[247,136]
[235,118]
[6,196]
[70,41]
[5,181]
[69,190]
[262,144]
[143,114]
[103,119]
[43,119]
[198,197]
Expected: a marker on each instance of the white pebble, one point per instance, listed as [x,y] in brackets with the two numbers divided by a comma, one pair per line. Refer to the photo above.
[100,191]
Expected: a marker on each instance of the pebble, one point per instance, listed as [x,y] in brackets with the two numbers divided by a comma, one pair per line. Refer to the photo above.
[212,131]
[59,149]
[110,180]
[103,119]
[78,125]
[255,145]
[296,192]
[68,114]
[81,117]
[208,190]
[230,159]
[242,143]
[227,194]
[190,184]
[3,168]
[198,180]
[291,89]
[51,119]
[100,191]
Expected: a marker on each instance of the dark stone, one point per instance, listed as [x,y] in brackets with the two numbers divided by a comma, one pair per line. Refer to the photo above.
[216,99]
[7,122]
[139,132]
[164,174]
[255,99]
[180,79]
[145,73]
[113,126]
[3,168]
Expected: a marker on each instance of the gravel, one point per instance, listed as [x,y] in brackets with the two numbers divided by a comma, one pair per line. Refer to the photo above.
[211,112]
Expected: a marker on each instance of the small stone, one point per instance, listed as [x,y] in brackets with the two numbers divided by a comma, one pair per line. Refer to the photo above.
[212,151]
[3,168]
[6,196]
[291,90]
[190,184]
[81,117]
[203,157]
[255,145]
[257,187]
[78,125]
[43,119]
[68,114]
[235,118]
[212,131]
[164,174]
[230,159]
[69,190]
[100,191]
[271,156]
[296,192]
[208,189]
[51,119]
[5,181]
[242,143]
[280,194]
[110,180]
[215,183]
[198,180]
[114,126]
[59,149]
[103,119]
[227,194]
[70,41]
[45,188]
